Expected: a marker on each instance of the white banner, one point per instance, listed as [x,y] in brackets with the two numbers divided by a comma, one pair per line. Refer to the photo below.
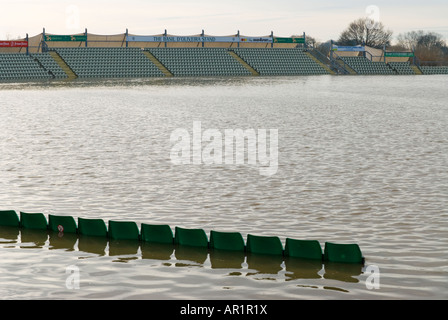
[180,39]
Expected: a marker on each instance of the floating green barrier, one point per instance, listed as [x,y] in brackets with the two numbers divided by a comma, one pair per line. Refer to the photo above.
[92,227]
[190,237]
[346,253]
[264,245]
[33,221]
[123,230]
[232,241]
[227,244]
[305,249]
[62,224]
[156,233]
[9,218]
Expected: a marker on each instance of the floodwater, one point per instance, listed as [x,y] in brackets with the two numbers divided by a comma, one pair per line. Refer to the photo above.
[360,160]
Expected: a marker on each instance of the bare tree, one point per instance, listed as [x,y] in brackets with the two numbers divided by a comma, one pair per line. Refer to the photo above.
[410,39]
[365,31]
[428,46]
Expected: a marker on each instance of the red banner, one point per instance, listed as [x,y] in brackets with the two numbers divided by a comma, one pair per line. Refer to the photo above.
[13,44]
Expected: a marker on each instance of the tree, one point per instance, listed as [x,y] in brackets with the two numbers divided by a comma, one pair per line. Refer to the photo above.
[428,46]
[414,39]
[365,31]
[431,40]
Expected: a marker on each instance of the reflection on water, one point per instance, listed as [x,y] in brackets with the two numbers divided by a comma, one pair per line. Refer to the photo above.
[94,245]
[64,241]
[258,267]
[302,268]
[156,251]
[342,272]
[220,259]
[264,266]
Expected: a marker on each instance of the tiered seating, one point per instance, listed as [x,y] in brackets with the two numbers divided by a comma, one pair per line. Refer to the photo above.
[401,67]
[279,61]
[434,70]
[193,62]
[19,66]
[109,62]
[362,65]
[49,64]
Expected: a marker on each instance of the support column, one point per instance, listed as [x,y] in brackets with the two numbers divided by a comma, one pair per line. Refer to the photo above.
[238,36]
[202,34]
[126,35]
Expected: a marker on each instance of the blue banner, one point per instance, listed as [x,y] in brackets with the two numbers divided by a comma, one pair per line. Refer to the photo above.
[349,48]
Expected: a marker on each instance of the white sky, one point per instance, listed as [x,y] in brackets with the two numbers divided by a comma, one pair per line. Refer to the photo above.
[322,19]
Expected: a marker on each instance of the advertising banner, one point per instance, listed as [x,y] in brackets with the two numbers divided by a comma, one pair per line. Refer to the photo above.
[289,40]
[256,39]
[180,39]
[67,38]
[349,48]
[198,39]
[399,54]
[13,44]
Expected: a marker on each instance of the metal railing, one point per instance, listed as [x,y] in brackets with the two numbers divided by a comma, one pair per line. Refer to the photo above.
[334,66]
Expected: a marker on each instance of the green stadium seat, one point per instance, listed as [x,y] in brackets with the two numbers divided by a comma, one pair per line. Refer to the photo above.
[190,237]
[362,65]
[306,249]
[19,66]
[9,218]
[33,221]
[346,253]
[62,224]
[123,230]
[156,233]
[92,227]
[264,245]
[232,241]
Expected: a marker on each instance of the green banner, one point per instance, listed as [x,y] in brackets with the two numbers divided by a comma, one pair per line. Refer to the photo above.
[399,54]
[289,40]
[65,38]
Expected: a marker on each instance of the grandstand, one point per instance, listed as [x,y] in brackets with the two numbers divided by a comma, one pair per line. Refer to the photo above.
[280,61]
[362,65]
[48,63]
[434,69]
[401,67]
[19,66]
[66,57]
[199,62]
[108,62]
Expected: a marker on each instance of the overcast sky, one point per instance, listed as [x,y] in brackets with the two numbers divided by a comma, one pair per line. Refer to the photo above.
[323,20]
